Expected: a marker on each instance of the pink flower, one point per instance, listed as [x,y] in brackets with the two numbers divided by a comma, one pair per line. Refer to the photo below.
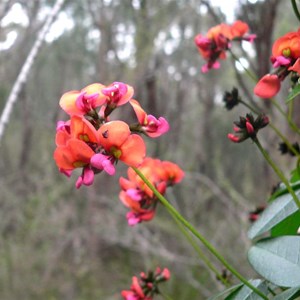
[118,93]
[150,125]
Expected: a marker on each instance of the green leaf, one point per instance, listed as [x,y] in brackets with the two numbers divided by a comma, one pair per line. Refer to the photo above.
[231,289]
[277,260]
[245,293]
[294,93]
[295,185]
[289,294]
[295,175]
[280,209]
[289,226]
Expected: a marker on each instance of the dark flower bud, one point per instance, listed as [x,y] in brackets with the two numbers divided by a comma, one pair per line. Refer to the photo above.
[284,149]
[231,99]
[247,127]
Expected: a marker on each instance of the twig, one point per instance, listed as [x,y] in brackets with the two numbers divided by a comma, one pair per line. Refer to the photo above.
[23,75]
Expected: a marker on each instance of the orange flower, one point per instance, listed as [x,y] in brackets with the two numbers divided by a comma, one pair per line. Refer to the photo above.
[117,140]
[138,197]
[214,45]
[75,154]
[73,151]
[286,58]
[83,101]
[287,45]
[238,29]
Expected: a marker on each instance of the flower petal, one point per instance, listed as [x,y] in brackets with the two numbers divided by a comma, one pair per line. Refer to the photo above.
[140,113]
[268,86]
[113,134]
[133,150]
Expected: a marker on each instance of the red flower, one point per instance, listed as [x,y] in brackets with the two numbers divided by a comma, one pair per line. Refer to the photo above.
[146,286]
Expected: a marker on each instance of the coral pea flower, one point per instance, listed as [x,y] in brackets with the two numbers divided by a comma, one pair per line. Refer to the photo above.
[287,45]
[75,154]
[117,140]
[83,101]
[118,93]
[173,173]
[149,124]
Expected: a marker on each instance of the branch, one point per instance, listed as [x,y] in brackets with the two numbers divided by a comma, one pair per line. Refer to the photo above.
[23,75]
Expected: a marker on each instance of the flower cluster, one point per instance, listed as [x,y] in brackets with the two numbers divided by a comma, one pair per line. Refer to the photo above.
[218,40]
[90,141]
[138,197]
[146,286]
[285,59]
[248,127]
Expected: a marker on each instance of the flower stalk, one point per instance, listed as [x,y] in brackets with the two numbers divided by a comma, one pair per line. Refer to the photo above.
[193,230]
[277,171]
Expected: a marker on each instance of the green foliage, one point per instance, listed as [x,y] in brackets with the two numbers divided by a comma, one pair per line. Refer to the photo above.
[289,294]
[293,93]
[276,259]
[280,209]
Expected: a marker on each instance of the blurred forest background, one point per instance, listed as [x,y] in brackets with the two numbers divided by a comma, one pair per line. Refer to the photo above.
[61,243]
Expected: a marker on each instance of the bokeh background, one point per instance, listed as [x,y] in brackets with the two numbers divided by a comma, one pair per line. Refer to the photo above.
[57,242]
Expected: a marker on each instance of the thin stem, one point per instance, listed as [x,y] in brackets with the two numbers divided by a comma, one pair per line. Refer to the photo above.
[165,296]
[277,131]
[295,8]
[277,171]
[250,107]
[292,125]
[193,230]
[284,139]
[200,252]
[249,73]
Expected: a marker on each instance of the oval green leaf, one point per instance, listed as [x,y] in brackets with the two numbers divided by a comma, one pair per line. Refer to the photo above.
[245,293]
[289,294]
[277,260]
[280,209]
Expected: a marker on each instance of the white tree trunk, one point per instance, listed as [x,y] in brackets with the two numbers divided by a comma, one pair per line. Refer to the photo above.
[23,75]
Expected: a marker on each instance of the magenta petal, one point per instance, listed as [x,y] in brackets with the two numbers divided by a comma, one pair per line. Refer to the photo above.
[79,182]
[216,65]
[108,167]
[88,176]
[97,161]
[205,68]
[132,219]
[79,101]
[134,194]
[122,87]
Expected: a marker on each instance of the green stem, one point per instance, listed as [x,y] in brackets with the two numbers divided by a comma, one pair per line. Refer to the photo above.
[200,252]
[192,229]
[277,131]
[165,296]
[277,171]
[250,107]
[292,125]
[295,8]
[284,139]
[250,74]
